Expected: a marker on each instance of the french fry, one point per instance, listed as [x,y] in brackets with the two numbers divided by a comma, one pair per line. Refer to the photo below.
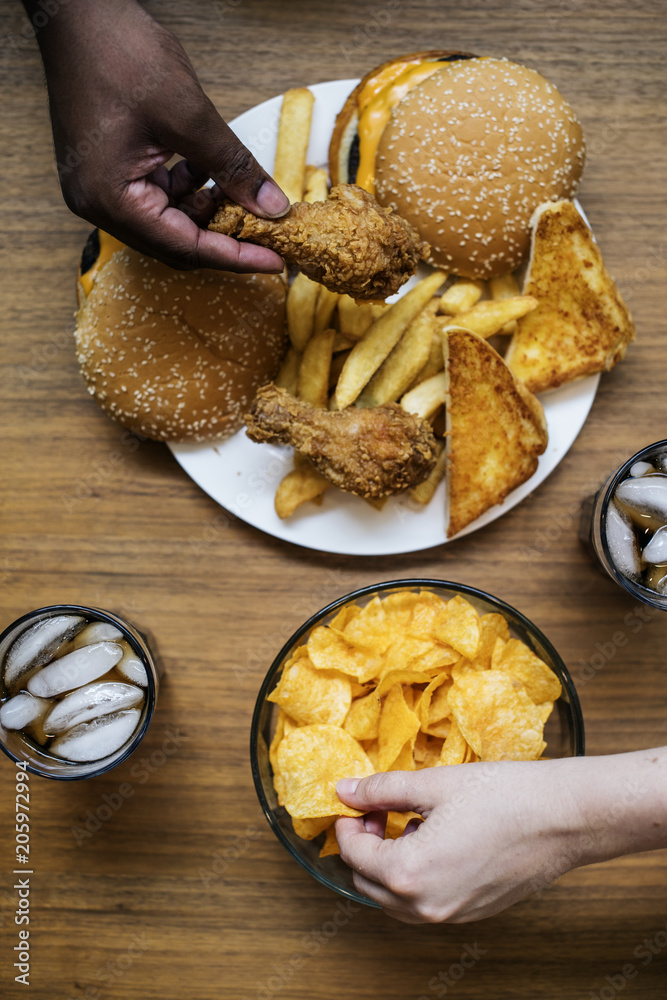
[354,318]
[434,363]
[299,486]
[368,354]
[315,184]
[423,492]
[427,397]
[341,343]
[312,383]
[505,287]
[301,301]
[287,376]
[461,296]
[487,318]
[324,309]
[398,371]
[292,143]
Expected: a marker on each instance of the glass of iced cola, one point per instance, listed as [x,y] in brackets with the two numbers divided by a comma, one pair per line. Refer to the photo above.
[628,528]
[78,688]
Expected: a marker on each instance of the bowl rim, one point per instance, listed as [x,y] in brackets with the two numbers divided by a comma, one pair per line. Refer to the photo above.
[578,736]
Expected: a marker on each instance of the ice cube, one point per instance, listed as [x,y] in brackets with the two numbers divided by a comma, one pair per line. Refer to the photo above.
[656,579]
[641,469]
[91,702]
[96,739]
[75,669]
[655,552]
[661,461]
[97,632]
[646,496]
[37,645]
[622,543]
[22,709]
[132,669]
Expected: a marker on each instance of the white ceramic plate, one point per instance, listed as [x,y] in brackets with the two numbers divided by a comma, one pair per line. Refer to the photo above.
[242,476]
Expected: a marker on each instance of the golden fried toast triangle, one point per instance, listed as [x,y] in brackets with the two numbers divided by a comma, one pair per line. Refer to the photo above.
[496,429]
[581,324]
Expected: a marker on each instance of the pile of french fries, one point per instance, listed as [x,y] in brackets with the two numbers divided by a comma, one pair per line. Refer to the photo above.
[344,354]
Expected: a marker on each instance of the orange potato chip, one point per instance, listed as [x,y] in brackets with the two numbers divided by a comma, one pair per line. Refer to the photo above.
[313,696]
[330,845]
[492,626]
[398,729]
[427,750]
[459,627]
[405,676]
[496,716]
[454,748]
[397,822]
[308,829]
[362,720]
[329,650]
[516,658]
[406,682]
[310,762]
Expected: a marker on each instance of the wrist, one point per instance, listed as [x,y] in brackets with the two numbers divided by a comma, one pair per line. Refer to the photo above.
[620,804]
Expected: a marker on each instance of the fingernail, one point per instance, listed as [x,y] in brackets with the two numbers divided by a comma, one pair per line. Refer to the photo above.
[272,201]
[347,786]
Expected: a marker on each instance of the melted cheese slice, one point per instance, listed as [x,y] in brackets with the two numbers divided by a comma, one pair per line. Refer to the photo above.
[376,102]
[108,247]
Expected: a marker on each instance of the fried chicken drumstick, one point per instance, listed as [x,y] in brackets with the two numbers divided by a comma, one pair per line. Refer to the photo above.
[348,243]
[372,452]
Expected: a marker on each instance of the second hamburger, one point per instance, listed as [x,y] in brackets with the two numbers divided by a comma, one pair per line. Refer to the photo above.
[463,148]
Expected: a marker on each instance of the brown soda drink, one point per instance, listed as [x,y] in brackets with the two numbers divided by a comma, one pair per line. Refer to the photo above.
[77,690]
[628,525]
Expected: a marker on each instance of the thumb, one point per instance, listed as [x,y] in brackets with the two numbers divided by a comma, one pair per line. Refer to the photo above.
[213,147]
[396,790]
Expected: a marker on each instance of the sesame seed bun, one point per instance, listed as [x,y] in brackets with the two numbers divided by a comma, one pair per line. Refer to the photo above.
[467,156]
[178,355]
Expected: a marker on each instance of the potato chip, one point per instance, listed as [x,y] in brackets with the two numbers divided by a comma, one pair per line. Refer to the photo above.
[408,681]
[328,650]
[516,658]
[310,761]
[492,626]
[427,750]
[363,719]
[397,822]
[459,627]
[454,748]
[398,730]
[330,845]
[496,716]
[308,829]
[313,696]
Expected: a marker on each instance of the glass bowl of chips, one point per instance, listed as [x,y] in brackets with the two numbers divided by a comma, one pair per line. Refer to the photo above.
[398,676]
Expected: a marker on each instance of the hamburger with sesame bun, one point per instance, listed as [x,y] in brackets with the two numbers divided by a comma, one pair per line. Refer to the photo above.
[464,148]
[175,355]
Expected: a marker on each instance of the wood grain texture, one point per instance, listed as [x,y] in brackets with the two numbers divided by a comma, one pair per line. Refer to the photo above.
[137,909]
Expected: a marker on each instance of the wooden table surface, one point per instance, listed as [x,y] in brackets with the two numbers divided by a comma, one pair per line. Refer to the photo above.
[180,890]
